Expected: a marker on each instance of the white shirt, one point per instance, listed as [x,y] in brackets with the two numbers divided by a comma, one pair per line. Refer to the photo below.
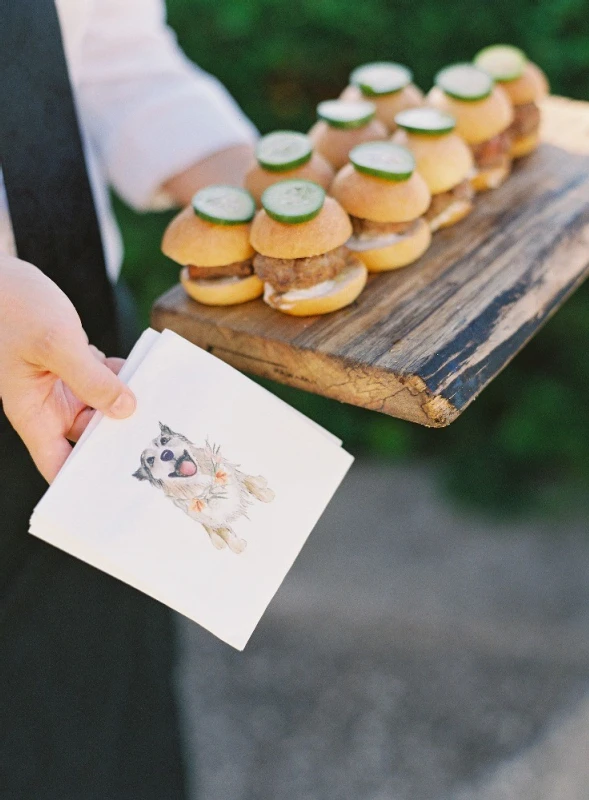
[146,112]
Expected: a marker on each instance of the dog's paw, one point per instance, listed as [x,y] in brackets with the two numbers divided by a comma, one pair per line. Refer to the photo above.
[217,541]
[265,495]
[237,545]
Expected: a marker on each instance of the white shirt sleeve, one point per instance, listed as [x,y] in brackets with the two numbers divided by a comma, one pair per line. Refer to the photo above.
[149,111]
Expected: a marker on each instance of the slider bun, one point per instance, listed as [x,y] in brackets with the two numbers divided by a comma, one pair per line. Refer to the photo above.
[335,143]
[188,239]
[317,169]
[400,254]
[328,230]
[380,200]
[478,120]
[530,87]
[347,285]
[222,291]
[492,177]
[524,145]
[442,161]
[388,105]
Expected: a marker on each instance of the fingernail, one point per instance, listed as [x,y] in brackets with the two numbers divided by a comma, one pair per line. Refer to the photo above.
[123,406]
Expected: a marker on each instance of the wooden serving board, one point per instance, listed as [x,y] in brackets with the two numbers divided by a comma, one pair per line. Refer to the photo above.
[422,342]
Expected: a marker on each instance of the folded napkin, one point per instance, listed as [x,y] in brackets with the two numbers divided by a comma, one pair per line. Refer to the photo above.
[204,497]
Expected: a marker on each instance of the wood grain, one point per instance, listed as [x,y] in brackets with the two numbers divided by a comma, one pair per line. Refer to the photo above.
[422,342]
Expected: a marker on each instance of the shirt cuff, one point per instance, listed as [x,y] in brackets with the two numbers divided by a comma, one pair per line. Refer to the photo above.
[169,134]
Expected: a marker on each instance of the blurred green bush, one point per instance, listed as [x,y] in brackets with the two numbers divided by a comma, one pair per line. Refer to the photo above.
[525,442]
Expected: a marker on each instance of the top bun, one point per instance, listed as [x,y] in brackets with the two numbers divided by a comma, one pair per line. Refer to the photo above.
[476,120]
[388,105]
[442,161]
[317,169]
[191,240]
[530,87]
[328,230]
[380,200]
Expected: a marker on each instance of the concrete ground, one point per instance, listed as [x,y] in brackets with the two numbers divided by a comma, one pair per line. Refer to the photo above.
[413,653]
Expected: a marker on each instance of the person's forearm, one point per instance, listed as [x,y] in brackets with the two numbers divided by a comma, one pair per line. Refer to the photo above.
[225,166]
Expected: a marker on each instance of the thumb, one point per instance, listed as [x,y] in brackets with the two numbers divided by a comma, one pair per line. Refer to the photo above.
[90,380]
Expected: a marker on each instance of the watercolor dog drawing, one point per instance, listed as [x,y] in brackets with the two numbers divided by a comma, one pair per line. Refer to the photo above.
[201,482]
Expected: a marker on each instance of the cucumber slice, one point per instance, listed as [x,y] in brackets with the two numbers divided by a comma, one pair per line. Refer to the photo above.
[346,113]
[429,121]
[503,62]
[283,150]
[381,77]
[224,205]
[464,82]
[293,201]
[383,160]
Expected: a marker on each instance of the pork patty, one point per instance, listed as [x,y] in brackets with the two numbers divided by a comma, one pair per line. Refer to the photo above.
[440,202]
[239,269]
[526,120]
[492,153]
[284,274]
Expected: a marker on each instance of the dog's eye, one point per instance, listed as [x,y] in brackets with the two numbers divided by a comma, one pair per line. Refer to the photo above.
[164,440]
[167,455]
[150,460]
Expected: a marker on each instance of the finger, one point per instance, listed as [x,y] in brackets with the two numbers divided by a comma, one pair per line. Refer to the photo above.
[98,354]
[48,448]
[92,382]
[115,364]
[80,424]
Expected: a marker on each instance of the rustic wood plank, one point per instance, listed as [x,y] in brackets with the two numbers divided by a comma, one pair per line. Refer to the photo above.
[421,343]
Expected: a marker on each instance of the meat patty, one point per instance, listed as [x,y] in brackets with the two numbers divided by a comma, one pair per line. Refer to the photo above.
[284,274]
[492,153]
[441,201]
[366,228]
[525,121]
[239,269]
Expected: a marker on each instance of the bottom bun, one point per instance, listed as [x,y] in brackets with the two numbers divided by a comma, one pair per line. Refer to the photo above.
[324,297]
[490,178]
[451,215]
[407,250]
[525,144]
[222,291]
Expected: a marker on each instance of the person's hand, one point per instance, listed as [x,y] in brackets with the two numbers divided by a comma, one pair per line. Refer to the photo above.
[51,379]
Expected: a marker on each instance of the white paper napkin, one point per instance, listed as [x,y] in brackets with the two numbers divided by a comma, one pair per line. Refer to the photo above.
[204,497]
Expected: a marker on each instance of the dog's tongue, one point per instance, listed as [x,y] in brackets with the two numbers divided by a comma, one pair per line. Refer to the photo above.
[187,468]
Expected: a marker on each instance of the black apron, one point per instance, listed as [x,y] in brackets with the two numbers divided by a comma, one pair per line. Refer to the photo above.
[86,698]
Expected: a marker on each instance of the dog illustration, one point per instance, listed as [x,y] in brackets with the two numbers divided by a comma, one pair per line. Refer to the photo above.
[201,482]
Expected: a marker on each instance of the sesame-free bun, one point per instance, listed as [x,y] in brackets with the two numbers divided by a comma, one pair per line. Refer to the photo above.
[530,87]
[328,230]
[388,105]
[335,143]
[492,177]
[188,239]
[442,161]
[324,297]
[222,291]
[524,145]
[380,200]
[317,169]
[478,120]
[407,250]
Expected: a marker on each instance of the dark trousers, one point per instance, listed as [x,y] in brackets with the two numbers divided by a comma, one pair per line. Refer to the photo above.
[86,701]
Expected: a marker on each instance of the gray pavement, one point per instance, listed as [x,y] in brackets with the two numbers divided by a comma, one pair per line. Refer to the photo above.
[413,653]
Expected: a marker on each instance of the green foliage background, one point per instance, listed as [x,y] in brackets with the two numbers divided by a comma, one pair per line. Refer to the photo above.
[524,444]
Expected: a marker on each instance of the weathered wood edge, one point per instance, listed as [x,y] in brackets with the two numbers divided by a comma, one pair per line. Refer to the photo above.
[404,396]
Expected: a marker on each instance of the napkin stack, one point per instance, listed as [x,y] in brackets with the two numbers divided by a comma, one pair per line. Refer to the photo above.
[204,497]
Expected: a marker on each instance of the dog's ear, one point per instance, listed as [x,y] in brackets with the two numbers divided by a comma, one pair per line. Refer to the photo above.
[141,474]
[165,431]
